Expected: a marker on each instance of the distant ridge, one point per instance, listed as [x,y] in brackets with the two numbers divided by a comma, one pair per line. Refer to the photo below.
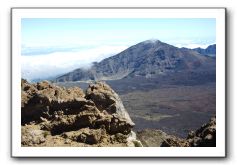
[209,51]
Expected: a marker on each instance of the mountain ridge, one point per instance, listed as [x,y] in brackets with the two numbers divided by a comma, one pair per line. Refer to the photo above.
[147,59]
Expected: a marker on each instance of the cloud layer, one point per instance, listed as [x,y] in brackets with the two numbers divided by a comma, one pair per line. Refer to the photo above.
[48,62]
[43,66]
[193,45]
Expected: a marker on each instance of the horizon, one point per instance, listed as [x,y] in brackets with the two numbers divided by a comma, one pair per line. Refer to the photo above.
[91,40]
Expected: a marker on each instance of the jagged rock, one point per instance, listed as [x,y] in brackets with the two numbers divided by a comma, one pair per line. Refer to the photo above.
[202,137]
[91,118]
[70,118]
[106,99]
[43,99]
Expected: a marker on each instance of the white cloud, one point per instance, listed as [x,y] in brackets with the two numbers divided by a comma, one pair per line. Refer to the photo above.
[192,45]
[188,43]
[50,65]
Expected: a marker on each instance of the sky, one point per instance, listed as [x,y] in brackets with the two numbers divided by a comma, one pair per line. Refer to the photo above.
[53,46]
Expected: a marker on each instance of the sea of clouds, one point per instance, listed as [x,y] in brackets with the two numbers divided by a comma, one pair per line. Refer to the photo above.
[44,63]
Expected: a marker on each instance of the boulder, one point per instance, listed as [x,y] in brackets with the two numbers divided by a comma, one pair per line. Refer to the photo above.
[151,137]
[106,99]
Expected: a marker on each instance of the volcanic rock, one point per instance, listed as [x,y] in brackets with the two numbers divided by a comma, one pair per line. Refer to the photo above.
[202,137]
[56,116]
[106,99]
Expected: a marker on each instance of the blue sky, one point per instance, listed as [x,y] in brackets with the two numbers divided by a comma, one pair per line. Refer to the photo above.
[102,38]
[86,32]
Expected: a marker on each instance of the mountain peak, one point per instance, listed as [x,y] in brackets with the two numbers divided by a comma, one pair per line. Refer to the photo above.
[151,41]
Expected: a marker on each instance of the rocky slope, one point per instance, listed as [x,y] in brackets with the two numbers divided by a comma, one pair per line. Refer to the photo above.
[55,116]
[146,59]
[205,136]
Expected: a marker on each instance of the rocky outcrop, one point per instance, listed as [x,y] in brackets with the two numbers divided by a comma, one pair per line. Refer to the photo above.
[43,99]
[205,136]
[56,116]
[106,99]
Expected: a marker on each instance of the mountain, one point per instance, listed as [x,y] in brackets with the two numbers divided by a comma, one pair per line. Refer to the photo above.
[145,59]
[210,50]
